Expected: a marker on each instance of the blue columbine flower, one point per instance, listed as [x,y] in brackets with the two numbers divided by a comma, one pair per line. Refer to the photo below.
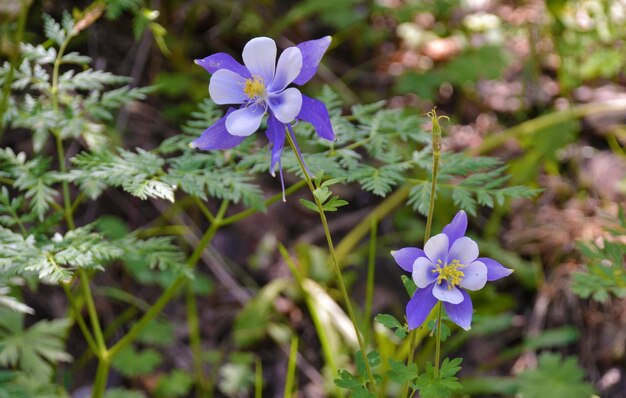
[260,87]
[448,265]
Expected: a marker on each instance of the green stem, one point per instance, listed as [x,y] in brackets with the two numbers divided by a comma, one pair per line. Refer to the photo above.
[205,210]
[102,375]
[333,257]
[371,267]
[93,314]
[171,291]
[6,90]
[291,367]
[248,212]
[258,379]
[69,215]
[436,145]
[327,350]
[195,341]
[16,217]
[438,341]
[55,73]
[433,194]
[412,344]
[79,318]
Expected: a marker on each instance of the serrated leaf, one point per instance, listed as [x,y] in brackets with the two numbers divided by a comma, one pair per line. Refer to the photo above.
[400,373]
[35,349]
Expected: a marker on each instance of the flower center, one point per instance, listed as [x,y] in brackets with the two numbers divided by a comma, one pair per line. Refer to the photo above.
[254,88]
[449,273]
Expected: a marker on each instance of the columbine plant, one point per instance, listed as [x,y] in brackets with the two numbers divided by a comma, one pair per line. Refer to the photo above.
[260,87]
[447,267]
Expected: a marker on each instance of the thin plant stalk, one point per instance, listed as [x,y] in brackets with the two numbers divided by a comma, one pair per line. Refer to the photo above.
[371,268]
[327,350]
[195,341]
[436,145]
[333,257]
[258,379]
[438,341]
[19,34]
[102,375]
[291,367]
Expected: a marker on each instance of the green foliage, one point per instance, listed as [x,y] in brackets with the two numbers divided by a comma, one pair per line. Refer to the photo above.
[138,173]
[157,332]
[130,362]
[563,378]
[445,330]
[443,386]
[323,194]
[470,181]
[33,350]
[175,384]
[14,384]
[409,285]
[55,259]
[400,373]
[31,177]
[357,383]
[392,323]
[605,274]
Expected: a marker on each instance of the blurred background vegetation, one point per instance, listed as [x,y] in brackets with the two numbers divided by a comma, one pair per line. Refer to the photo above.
[539,84]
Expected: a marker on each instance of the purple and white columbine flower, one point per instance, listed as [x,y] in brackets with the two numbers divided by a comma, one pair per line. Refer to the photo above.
[447,267]
[259,87]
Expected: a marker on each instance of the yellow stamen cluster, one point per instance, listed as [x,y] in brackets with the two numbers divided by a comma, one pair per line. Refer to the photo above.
[254,87]
[449,272]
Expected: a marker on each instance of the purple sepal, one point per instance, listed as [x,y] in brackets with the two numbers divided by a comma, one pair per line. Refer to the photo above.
[419,306]
[406,256]
[457,227]
[461,313]
[276,135]
[315,112]
[217,137]
[215,62]
[312,53]
[495,270]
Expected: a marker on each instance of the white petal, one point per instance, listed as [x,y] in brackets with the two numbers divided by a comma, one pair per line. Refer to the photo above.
[463,249]
[245,121]
[286,105]
[259,56]
[437,248]
[475,276]
[226,87]
[452,296]
[288,68]
[423,274]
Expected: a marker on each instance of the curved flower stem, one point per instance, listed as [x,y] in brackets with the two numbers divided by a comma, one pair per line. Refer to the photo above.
[333,257]
[436,145]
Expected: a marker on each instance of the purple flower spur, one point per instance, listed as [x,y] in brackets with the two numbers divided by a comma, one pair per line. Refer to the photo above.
[447,267]
[260,87]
